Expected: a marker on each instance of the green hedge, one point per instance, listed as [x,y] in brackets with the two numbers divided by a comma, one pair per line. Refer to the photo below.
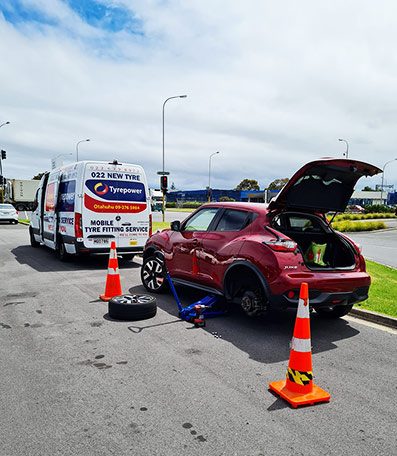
[191,204]
[170,205]
[376,208]
[376,215]
[358,226]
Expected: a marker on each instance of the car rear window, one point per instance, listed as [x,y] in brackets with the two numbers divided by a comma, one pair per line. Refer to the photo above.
[233,220]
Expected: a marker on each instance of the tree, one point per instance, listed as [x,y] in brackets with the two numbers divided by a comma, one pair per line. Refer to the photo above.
[368,189]
[248,184]
[278,184]
[38,176]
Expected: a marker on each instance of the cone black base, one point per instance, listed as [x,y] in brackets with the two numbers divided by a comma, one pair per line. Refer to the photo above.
[297,399]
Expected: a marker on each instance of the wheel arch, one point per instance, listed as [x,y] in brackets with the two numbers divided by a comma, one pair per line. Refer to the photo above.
[234,272]
[150,251]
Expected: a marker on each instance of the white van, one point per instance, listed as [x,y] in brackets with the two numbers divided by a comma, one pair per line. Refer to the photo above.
[82,207]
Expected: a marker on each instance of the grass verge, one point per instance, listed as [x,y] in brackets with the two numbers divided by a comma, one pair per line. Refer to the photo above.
[383,290]
[358,226]
[160,226]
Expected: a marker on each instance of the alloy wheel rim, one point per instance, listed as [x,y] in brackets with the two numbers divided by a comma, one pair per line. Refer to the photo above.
[153,274]
[133,299]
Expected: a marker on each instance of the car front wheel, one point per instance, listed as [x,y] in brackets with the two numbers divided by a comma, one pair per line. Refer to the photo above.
[334,312]
[153,275]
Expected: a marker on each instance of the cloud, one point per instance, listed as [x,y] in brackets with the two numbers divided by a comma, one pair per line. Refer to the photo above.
[270,85]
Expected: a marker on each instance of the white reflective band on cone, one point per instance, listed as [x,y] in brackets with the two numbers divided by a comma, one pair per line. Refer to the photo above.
[113,271]
[301,345]
[303,311]
[113,254]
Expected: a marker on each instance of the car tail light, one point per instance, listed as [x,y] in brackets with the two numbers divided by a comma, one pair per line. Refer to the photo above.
[150,225]
[78,228]
[282,245]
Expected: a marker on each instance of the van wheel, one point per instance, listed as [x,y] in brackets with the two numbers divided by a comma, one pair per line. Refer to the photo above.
[334,312]
[132,307]
[33,241]
[61,251]
[153,275]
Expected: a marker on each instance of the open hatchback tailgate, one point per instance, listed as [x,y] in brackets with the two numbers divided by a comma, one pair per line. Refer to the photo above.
[322,185]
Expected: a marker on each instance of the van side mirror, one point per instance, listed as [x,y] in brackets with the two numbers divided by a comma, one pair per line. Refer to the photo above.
[176,225]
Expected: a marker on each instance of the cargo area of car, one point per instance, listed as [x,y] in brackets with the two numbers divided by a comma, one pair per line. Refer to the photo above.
[306,229]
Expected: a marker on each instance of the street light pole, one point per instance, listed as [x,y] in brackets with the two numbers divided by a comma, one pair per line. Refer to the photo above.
[163,172]
[1,171]
[77,147]
[347,147]
[383,177]
[209,175]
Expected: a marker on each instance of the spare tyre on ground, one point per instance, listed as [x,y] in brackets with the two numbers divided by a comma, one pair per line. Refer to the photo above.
[132,307]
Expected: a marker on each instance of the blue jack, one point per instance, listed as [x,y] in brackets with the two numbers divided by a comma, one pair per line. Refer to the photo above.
[198,311]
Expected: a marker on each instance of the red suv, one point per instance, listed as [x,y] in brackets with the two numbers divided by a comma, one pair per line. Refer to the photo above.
[258,255]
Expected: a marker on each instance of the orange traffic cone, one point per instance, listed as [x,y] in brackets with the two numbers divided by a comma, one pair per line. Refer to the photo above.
[298,388]
[113,285]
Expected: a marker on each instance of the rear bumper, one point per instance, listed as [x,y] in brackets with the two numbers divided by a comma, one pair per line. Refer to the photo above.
[325,289]
[319,298]
[82,249]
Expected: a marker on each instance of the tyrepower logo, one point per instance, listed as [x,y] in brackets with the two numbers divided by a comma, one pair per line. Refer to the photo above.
[101,189]
[114,196]
[112,190]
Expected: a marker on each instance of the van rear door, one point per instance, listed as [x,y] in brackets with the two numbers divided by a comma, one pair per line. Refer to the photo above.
[49,210]
[115,207]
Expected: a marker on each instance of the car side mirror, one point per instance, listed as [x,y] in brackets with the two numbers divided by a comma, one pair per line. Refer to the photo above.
[176,225]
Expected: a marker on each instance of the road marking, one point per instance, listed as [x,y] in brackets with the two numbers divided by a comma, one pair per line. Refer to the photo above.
[372,325]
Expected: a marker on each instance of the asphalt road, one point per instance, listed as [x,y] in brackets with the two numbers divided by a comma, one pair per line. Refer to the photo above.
[380,246]
[74,382]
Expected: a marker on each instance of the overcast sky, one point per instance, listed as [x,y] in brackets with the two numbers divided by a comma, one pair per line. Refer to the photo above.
[270,84]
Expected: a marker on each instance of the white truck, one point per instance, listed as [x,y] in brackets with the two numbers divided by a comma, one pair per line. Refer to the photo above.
[156,199]
[80,208]
[21,193]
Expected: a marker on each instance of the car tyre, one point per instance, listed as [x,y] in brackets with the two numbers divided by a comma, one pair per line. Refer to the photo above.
[33,241]
[334,312]
[132,307]
[153,275]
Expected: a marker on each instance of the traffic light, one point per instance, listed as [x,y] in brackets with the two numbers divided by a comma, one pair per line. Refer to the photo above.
[164,183]
[3,180]
[3,154]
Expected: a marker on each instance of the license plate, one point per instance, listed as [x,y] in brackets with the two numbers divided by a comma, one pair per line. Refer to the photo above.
[101,241]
